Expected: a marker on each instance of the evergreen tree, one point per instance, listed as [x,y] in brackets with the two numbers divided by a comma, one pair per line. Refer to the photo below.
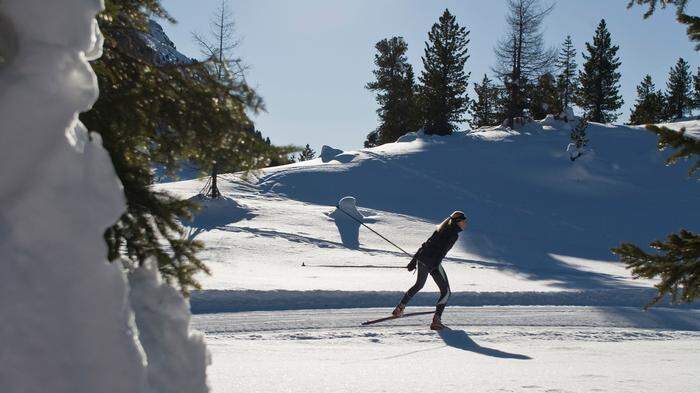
[579,139]
[650,105]
[599,90]
[544,97]
[149,114]
[693,22]
[307,154]
[521,55]
[444,82]
[679,94]
[484,110]
[677,263]
[566,80]
[394,87]
[372,139]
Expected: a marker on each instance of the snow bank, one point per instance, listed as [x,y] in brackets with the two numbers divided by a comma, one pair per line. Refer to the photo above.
[218,301]
[177,359]
[66,322]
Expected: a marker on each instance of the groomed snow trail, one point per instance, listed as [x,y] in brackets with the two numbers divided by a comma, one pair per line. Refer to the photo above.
[487,349]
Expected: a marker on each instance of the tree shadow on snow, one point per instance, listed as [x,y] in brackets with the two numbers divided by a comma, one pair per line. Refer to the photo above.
[215,214]
[460,339]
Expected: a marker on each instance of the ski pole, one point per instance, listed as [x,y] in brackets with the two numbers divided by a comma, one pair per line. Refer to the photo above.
[375,232]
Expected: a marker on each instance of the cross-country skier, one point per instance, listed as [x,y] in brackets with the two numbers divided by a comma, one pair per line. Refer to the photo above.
[428,260]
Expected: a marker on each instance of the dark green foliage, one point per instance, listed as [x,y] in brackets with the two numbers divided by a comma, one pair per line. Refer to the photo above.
[679,91]
[544,97]
[566,79]
[677,264]
[150,115]
[444,83]
[372,139]
[650,106]
[484,111]
[394,88]
[521,57]
[685,147]
[693,22]
[579,138]
[307,154]
[599,90]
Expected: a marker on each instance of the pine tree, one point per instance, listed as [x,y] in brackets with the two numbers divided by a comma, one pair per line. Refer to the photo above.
[650,105]
[693,22]
[484,110]
[521,55]
[566,79]
[677,263]
[679,94]
[599,90]
[544,97]
[394,88]
[307,154]
[149,114]
[444,82]
[372,139]
[579,139]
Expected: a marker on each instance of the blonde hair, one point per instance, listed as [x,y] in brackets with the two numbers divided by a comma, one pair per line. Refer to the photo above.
[448,220]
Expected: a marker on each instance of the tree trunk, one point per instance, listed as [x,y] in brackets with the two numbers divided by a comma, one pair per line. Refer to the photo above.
[214,188]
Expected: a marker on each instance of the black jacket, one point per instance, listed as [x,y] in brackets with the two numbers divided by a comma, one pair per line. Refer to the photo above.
[436,247]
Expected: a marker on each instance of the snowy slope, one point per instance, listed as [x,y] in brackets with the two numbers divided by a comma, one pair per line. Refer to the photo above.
[538,222]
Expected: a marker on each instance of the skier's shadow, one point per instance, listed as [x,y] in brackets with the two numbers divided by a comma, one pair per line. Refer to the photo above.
[460,339]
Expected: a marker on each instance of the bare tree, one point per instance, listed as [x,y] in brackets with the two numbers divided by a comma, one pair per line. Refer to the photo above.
[521,55]
[221,43]
[219,48]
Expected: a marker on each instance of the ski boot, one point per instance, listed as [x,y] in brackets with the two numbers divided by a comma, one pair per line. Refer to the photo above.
[398,311]
[437,323]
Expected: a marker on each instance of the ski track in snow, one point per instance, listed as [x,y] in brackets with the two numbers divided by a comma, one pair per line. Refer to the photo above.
[486,349]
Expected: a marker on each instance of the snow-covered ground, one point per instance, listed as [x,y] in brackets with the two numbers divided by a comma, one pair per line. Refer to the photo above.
[489,349]
[293,277]
[538,222]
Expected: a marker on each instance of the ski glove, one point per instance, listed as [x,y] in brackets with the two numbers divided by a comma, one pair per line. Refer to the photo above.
[411,265]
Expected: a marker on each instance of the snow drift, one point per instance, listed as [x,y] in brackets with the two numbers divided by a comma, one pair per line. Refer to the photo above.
[67,323]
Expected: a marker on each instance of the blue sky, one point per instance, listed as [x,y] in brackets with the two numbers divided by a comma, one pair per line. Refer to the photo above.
[310,59]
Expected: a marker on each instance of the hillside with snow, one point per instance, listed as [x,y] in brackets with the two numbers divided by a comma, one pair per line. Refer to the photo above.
[548,304]
[537,221]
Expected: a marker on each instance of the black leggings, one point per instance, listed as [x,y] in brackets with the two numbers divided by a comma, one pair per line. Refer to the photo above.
[440,279]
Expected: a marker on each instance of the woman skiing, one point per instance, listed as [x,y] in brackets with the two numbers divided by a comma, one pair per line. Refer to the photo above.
[428,260]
